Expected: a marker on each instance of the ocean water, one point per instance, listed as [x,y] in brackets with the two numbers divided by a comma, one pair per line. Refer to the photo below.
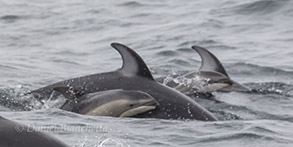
[42,42]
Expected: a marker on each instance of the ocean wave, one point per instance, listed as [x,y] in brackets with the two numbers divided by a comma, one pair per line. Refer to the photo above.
[132,4]
[245,135]
[167,53]
[260,7]
[10,18]
[255,8]
[250,69]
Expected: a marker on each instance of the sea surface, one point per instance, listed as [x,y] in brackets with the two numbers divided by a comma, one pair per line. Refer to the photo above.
[46,41]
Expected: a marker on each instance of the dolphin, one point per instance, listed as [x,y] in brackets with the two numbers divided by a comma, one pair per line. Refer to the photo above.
[211,77]
[135,75]
[116,103]
[13,134]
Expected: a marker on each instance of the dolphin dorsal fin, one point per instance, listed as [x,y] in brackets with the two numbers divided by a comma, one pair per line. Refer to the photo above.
[68,92]
[209,61]
[132,62]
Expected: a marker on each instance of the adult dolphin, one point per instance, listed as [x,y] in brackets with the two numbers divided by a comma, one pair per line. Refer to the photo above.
[211,77]
[115,103]
[135,75]
[13,134]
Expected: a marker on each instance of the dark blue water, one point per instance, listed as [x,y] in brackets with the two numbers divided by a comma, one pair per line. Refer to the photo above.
[42,42]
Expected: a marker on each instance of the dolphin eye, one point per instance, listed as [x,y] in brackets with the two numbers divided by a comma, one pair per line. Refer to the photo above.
[131,105]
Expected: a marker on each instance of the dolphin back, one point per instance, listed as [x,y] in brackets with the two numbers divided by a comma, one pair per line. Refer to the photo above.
[13,134]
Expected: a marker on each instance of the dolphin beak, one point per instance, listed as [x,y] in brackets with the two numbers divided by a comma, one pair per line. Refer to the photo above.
[143,107]
[151,103]
[137,110]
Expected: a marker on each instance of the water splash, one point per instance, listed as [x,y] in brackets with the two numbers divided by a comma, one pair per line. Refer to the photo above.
[277,88]
[111,142]
[188,85]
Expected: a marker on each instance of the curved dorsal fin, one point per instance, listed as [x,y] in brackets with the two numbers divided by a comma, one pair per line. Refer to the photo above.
[209,61]
[132,62]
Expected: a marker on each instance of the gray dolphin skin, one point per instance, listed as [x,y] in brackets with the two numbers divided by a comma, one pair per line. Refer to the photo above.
[211,77]
[116,103]
[13,134]
[135,75]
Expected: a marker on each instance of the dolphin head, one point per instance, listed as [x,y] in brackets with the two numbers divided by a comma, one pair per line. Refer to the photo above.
[136,103]
[120,103]
[214,81]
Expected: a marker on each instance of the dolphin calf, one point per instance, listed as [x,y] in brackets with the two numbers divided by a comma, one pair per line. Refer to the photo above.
[13,134]
[135,75]
[211,76]
[116,103]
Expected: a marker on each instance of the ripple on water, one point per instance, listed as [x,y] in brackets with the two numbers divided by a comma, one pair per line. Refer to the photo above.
[277,88]
[10,18]
[168,53]
[132,4]
[260,7]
